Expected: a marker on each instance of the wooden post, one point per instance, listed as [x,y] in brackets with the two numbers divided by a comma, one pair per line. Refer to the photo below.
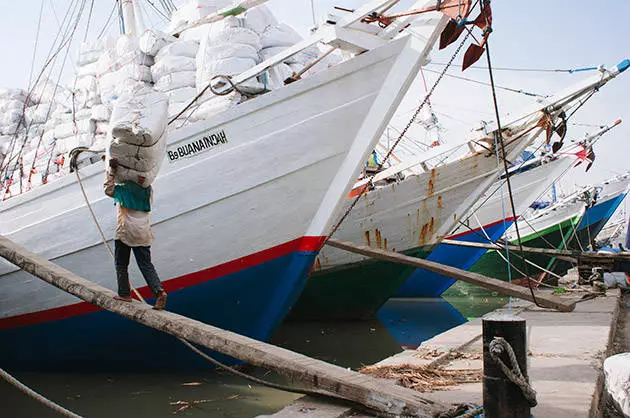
[544,300]
[375,393]
[501,397]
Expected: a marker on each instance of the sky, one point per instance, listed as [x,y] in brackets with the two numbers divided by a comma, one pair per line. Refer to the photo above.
[536,34]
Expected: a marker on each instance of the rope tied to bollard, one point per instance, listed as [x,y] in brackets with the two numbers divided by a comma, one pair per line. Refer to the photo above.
[498,346]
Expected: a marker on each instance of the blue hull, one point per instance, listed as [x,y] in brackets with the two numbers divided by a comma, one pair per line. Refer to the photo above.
[426,284]
[597,216]
[252,301]
[411,322]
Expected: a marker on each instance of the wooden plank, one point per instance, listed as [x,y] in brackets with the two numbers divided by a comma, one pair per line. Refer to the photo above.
[375,393]
[572,256]
[545,300]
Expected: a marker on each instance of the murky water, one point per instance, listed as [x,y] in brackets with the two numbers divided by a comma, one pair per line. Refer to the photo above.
[402,322]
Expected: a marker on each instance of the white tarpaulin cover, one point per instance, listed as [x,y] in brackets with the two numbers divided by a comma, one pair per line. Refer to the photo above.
[617,373]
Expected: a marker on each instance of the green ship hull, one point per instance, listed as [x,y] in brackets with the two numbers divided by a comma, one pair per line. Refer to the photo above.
[491,264]
[352,292]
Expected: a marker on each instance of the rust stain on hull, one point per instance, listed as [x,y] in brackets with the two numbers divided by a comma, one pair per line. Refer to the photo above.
[379,241]
[367,238]
[431,183]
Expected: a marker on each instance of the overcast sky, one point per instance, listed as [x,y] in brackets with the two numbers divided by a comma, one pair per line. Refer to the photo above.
[542,34]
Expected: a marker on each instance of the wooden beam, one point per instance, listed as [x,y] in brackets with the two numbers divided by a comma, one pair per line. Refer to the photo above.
[375,393]
[551,252]
[572,256]
[543,299]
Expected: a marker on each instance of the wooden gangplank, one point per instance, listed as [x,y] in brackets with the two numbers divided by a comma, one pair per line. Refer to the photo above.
[543,299]
[379,394]
[567,255]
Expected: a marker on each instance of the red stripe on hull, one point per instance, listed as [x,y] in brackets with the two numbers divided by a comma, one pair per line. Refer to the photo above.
[304,244]
[490,225]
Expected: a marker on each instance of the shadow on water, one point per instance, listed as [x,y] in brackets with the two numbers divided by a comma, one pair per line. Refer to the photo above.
[400,323]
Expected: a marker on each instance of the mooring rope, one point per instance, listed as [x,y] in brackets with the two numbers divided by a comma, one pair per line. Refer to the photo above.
[38,397]
[499,346]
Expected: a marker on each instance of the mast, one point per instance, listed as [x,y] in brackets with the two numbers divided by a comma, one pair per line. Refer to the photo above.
[128,17]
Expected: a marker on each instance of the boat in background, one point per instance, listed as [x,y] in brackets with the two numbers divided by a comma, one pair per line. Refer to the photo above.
[557,226]
[490,219]
[238,222]
[487,222]
[413,215]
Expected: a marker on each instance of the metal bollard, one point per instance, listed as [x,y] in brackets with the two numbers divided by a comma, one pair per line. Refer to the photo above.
[501,397]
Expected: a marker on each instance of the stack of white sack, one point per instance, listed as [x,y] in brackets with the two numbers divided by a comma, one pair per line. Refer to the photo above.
[86,88]
[138,135]
[70,130]
[122,68]
[229,49]
[278,37]
[174,73]
[47,99]
[12,103]
[193,11]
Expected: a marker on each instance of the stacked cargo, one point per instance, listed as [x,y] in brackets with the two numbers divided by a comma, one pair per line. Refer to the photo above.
[138,134]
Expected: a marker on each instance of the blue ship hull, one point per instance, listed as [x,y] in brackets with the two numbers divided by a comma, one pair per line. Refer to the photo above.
[426,284]
[90,339]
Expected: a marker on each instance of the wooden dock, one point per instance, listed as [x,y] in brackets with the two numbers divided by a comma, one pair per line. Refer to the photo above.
[566,351]
[342,383]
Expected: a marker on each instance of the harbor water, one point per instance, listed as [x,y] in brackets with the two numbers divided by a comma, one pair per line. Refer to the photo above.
[401,323]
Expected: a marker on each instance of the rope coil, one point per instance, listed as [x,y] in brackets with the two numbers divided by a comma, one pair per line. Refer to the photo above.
[498,346]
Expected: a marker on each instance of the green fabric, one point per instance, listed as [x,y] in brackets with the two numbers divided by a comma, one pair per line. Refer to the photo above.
[132,196]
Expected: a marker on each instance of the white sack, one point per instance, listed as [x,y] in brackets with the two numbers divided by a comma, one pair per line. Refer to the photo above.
[234,35]
[196,33]
[100,113]
[231,50]
[137,158]
[172,64]
[215,106]
[140,117]
[279,35]
[88,57]
[185,94]
[176,80]
[68,129]
[128,174]
[617,375]
[65,145]
[179,48]
[152,41]
[274,78]
[86,82]
[101,128]
[259,18]
[90,69]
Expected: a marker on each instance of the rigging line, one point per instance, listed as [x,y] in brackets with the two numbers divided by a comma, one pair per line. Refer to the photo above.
[535,70]
[499,137]
[313,13]
[161,13]
[52,59]
[107,22]
[426,99]
[518,91]
[39,22]
[52,7]
[87,26]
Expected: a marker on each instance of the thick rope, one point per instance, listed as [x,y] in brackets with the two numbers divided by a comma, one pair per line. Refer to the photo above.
[31,393]
[499,346]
